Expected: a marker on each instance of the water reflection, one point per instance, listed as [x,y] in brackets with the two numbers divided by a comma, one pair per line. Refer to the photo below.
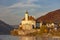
[36,38]
[9,37]
[32,38]
[27,38]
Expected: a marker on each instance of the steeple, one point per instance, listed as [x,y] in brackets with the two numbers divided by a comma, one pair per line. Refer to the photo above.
[26,15]
[26,12]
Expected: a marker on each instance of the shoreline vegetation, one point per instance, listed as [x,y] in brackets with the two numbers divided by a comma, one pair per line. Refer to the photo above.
[44,31]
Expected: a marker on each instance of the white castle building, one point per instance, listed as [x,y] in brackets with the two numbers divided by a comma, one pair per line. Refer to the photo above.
[28,22]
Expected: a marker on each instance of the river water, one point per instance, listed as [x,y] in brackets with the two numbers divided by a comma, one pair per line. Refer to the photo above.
[9,37]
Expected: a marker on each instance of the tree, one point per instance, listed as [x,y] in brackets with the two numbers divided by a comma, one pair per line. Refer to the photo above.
[43,29]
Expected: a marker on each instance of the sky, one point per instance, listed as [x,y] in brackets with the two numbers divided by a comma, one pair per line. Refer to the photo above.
[12,11]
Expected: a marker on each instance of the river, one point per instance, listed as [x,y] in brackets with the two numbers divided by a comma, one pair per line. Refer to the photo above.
[9,37]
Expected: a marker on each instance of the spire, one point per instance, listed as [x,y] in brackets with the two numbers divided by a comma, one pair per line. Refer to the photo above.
[26,15]
[26,12]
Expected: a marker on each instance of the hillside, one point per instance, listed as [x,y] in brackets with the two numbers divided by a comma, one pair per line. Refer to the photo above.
[53,16]
[5,28]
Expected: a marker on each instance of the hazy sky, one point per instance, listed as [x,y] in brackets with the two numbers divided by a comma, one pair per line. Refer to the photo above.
[12,11]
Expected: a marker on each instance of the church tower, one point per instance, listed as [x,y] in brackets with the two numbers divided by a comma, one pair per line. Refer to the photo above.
[28,22]
[26,16]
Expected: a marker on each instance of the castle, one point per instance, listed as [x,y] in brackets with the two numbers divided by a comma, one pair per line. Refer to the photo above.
[28,22]
[27,25]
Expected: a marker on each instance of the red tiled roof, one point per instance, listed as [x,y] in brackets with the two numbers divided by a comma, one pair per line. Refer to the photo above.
[30,18]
